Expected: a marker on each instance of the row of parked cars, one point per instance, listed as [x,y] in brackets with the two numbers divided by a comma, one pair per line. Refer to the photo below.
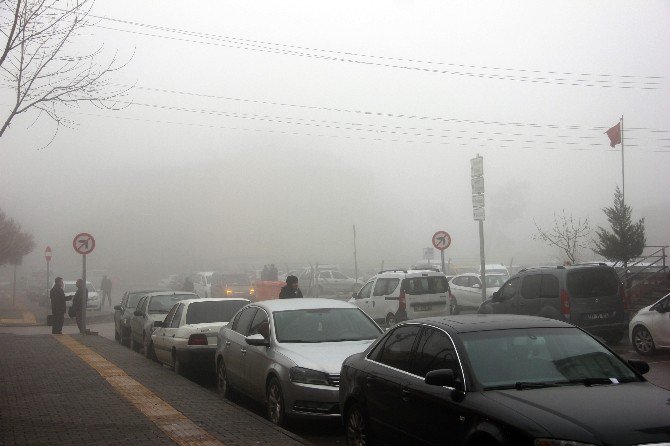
[476,379]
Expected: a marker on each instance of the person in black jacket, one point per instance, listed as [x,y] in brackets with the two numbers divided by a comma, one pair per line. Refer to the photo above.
[57,296]
[290,290]
[77,304]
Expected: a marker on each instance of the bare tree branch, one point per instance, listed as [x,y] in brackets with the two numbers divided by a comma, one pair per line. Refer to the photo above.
[568,235]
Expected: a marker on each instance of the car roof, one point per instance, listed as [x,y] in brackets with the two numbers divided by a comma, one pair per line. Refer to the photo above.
[214,299]
[483,322]
[171,293]
[148,290]
[306,303]
[409,273]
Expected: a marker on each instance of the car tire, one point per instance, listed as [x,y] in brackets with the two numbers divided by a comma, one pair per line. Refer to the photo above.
[391,320]
[275,403]
[356,426]
[643,342]
[453,306]
[222,384]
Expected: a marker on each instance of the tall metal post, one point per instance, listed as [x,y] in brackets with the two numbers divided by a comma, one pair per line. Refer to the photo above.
[442,258]
[482,259]
[47,280]
[14,288]
[84,300]
[623,176]
[355,256]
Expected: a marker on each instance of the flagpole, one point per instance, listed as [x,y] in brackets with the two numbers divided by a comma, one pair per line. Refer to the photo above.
[623,182]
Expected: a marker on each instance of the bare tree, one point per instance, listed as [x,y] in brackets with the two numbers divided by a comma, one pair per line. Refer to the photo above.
[14,243]
[36,63]
[568,235]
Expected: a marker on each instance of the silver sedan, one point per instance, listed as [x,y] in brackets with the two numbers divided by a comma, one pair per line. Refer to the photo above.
[288,354]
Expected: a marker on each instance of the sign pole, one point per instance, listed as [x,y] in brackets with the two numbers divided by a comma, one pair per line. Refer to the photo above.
[482,260]
[442,256]
[84,300]
[84,244]
[355,256]
[47,278]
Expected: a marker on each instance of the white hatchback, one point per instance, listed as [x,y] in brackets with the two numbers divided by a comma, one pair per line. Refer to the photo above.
[650,327]
[466,290]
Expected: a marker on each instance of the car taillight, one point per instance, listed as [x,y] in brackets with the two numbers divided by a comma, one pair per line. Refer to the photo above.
[402,300]
[197,339]
[252,291]
[565,304]
[229,292]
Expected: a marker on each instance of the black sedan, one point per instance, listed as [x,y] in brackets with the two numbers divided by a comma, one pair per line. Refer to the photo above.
[124,311]
[498,380]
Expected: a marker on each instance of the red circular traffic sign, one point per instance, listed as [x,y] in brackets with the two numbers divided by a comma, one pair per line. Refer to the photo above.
[47,253]
[441,240]
[83,243]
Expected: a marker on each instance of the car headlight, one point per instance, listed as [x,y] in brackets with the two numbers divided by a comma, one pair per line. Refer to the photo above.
[308,376]
[554,442]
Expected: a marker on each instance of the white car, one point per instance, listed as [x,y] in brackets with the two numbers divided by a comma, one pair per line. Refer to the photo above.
[202,283]
[466,290]
[186,338]
[649,329]
[397,295]
[334,282]
[93,302]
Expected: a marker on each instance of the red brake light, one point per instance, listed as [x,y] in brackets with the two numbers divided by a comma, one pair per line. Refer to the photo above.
[197,339]
[565,304]
[402,301]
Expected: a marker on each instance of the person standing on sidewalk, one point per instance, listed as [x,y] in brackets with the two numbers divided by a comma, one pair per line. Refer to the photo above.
[106,286]
[291,289]
[76,305]
[58,298]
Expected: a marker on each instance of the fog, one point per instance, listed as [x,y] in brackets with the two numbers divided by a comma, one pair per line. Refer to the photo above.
[267,139]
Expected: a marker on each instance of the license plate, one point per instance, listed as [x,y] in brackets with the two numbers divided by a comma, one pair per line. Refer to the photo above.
[422,308]
[598,316]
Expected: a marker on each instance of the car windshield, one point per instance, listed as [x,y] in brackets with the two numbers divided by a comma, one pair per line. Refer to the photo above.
[72,288]
[324,325]
[494,281]
[163,303]
[213,311]
[550,356]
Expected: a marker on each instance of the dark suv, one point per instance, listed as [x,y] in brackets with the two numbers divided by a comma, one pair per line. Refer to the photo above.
[589,296]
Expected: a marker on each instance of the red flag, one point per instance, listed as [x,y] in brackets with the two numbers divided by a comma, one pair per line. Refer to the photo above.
[615,135]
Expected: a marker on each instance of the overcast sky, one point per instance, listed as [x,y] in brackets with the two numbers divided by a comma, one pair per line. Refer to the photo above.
[265,130]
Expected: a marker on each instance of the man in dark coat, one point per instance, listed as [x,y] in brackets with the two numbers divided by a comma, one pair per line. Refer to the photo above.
[106,287]
[290,290]
[57,296]
[77,304]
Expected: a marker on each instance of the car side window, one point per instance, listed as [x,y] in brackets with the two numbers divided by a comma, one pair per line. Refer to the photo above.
[233,323]
[141,306]
[260,325]
[549,286]
[397,350]
[168,319]
[177,316]
[338,275]
[531,286]
[460,281]
[435,351]
[124,300]
[509,289]
[244,321]
[364,293]
[384,287]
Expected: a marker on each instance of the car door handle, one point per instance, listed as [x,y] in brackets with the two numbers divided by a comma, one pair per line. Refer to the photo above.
[369,381]
[227,343]
[243,350]
[405,394]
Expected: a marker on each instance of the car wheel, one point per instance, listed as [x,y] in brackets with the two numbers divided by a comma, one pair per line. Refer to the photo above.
[356,425]
[275,403]
[643,343]
[391,320]
[453,306]
[225,391]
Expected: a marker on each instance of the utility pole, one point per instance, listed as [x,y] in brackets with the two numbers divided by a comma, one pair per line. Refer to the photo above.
[477,179]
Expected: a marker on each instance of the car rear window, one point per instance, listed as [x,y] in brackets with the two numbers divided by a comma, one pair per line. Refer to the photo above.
[209,312]
[425,285]
[592,282]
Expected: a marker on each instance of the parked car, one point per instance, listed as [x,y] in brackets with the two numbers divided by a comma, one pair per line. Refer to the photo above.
[186,339]
[466,290]
[124,311]
[288,353]
[498,380]
[589,296]
[232,285]
[335,282]
[396,295]
[93,302]
[202,283]
[494,268]
[649,329]
[150,308]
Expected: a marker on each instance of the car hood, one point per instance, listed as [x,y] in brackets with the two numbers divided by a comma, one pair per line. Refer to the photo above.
[323,356]
[617,414]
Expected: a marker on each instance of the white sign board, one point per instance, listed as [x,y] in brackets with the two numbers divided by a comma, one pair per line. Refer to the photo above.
[428,253]
[478,201]
[478,185]
[477,167]
[478,214]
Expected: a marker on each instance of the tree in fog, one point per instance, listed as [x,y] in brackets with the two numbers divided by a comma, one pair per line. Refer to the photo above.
[626,240]
[14,243]
[567,234]
[39,65]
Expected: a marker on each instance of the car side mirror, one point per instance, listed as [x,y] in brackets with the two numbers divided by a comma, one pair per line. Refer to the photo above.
[137,313]
[257,340]
[158,324]
[640,367]
[443,378]
[354,295]
[117,307]
[495,297]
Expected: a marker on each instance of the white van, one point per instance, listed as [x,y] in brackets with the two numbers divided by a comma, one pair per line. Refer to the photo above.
[396,295]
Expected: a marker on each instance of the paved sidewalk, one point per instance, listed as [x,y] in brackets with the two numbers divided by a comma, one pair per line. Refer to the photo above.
[49,395]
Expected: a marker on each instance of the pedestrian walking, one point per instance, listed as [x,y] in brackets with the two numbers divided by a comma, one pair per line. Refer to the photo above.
[290,290]
[106,287]
[58,298]
[77,311]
